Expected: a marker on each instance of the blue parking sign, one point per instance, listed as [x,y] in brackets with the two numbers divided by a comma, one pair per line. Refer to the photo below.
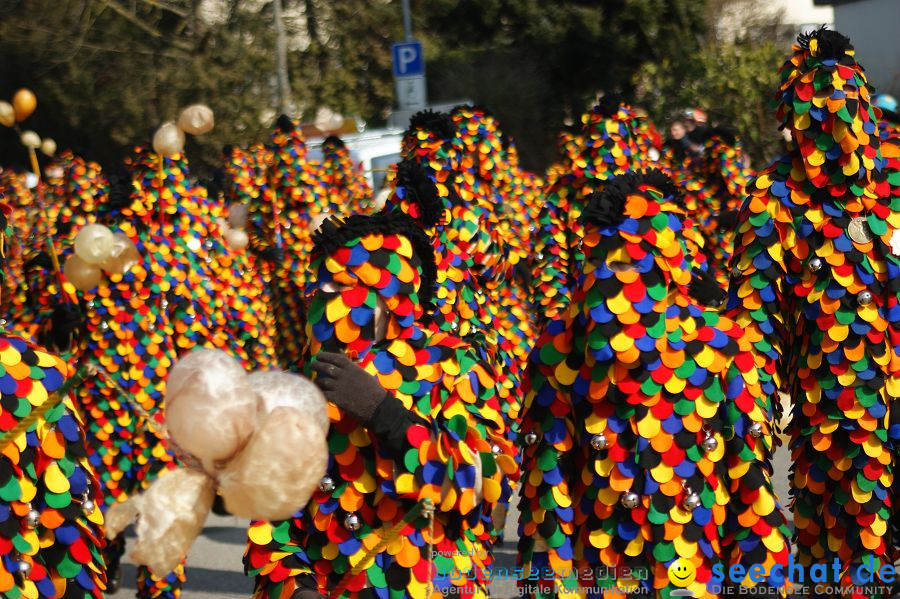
[409,61]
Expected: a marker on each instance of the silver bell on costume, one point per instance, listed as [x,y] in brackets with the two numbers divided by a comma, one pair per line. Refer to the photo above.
[326,485]
[710,444]
[33,518]
[756,430]
[691,502]
[87,505]
[599,442]
[630,500]
[24,568]
[815,265]
[352,522]
[864,298]
[530,438]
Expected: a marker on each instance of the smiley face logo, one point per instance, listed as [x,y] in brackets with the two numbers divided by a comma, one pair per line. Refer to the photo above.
[682,572]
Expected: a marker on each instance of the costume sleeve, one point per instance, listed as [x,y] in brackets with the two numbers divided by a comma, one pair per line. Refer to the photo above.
[552,253]
[546,522]
[756,298]
[736,173]
[757,531]
[457,454]
[48,493]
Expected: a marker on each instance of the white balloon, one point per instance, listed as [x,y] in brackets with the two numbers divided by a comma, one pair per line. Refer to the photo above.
[94,244]
[196,119]
[210,406]
[170,515]
[7,114]
[122,256]
[276,389]
[237,215]
[168,140]
[316,221]
[30,139]
[237,238]
[48,147]
[327,120]
[278,470]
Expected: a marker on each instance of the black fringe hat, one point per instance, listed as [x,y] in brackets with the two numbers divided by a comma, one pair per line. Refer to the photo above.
[335,232]
[607,208]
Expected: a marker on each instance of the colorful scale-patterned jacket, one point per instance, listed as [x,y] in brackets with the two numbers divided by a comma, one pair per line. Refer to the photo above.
[51,528]
[294,196]
[815,285]
[647,434]
[609,150]
[448,422]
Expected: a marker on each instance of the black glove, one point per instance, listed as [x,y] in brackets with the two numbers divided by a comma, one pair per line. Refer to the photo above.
[705,289]
[64,228]
[728,221]
[272,254]
[348,386]
[66,320]
[41,259]
[522,271]
[306,588]
[120,188]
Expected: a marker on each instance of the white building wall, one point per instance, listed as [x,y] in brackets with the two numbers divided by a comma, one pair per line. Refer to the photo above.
[874,28]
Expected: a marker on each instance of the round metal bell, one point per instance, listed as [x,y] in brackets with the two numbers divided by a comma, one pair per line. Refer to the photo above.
[756,430]
[815,265]
[530,438]
[208,244]
[24,568]
[864,298]
[104,326]
[691,502]
[630,500]
[599,442]
[540,255]
[495,449]
[88,506]
[326,485]
[352,523]
[736,272]
[454,326]
[710,444]
[33,518]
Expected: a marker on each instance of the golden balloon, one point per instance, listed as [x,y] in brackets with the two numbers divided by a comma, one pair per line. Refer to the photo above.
[82,275]
[24,103]
[7,114]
